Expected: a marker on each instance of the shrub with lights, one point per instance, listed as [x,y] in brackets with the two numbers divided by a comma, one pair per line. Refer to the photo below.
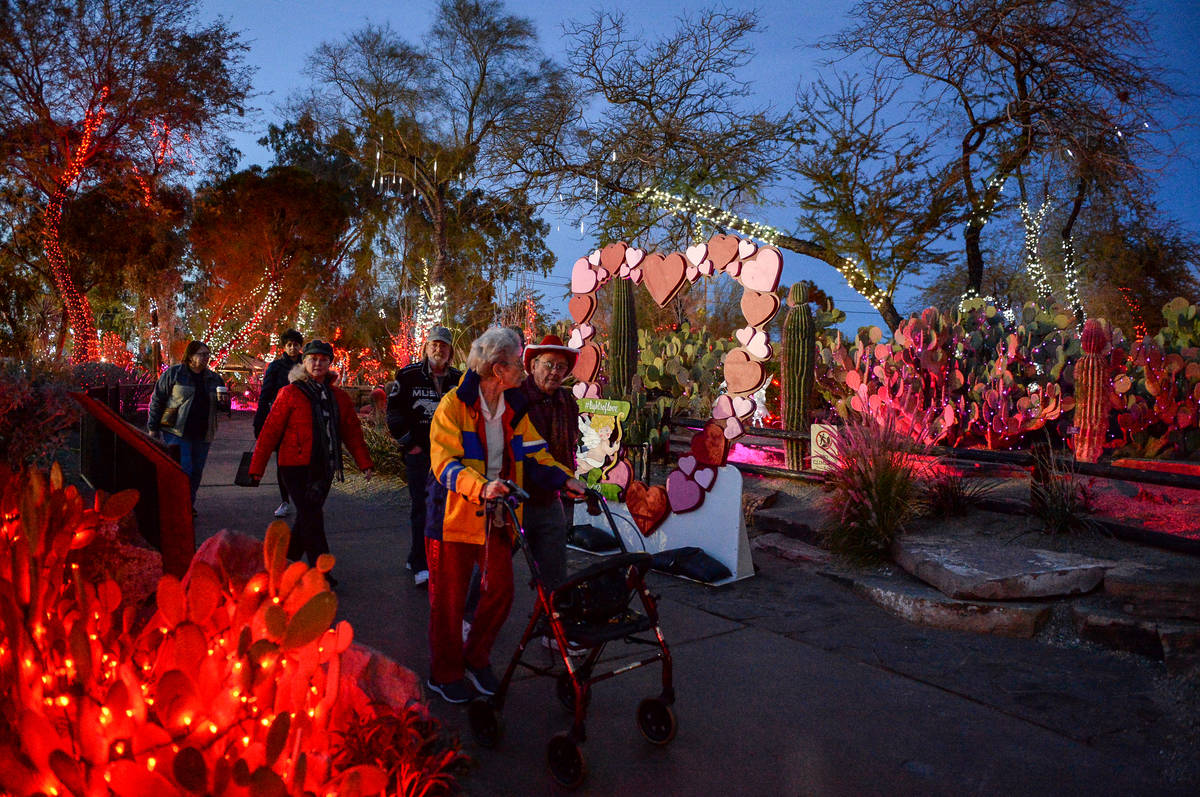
[221,687]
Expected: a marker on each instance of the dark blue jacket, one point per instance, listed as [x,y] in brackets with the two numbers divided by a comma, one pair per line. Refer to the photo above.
[274,380]
[413,400]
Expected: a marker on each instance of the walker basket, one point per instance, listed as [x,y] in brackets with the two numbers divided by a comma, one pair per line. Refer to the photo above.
[601,593]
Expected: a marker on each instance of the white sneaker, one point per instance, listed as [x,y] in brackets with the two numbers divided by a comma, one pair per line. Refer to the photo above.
[283,509]
[421,577]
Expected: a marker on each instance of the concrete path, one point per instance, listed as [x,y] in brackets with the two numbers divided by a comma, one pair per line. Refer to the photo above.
[788,683]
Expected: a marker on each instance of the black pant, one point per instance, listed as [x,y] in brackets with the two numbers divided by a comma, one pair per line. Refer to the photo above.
[416,470]
[308,532]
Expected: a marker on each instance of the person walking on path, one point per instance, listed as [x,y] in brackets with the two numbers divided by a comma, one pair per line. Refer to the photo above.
[410,407]
[183,409]
[480,436]
[308,424]
[274,380]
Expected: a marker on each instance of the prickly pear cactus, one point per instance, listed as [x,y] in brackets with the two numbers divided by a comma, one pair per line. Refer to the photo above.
[798,370]
[623,340]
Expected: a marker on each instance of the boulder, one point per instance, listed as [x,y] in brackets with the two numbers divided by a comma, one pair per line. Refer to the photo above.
[1162,591]
[368,676]
[981,570]
[233,555]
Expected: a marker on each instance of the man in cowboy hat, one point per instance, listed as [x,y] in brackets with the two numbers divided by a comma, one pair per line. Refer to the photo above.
[555,414]
[410,407]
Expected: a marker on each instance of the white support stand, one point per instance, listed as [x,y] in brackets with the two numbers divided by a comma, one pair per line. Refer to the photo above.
[718,527]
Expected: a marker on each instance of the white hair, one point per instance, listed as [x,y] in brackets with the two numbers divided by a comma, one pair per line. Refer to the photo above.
[498,344]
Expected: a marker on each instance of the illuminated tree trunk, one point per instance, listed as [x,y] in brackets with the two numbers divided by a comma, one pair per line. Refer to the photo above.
[85,347]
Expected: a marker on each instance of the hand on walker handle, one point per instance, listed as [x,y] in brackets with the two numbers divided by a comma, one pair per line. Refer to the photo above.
[575,488]
[496,488]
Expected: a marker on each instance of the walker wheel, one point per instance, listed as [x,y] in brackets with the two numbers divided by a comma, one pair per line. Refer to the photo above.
[487,726]
[565,760]
[656,720]
[566,692]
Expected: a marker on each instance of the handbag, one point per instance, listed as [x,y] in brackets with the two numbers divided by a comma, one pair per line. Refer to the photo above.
[242,479]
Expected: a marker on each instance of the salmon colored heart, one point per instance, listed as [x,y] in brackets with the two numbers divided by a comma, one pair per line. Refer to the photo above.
[742,375]
[664,276]
[649,506]
[583,278]
[709,446]
[620,475]
[683,494]
[762,272]
[587,363]
[581,307]
[757,307]
[722,250]
[612,256]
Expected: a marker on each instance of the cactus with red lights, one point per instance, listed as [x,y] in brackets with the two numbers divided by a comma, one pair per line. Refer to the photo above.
[797,373]
[1091,391]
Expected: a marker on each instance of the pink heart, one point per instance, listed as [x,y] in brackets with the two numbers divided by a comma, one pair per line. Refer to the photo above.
[602,276]
[744,334]
[633,257]
[583,279]
[687,464]
[754,341]
[586,390]
[576,340]
[742,406]
[635,274]
[695,254]
[746,248]
[586,331]
[692,273]
[734,268]
[683,494]
[722,407]
[705,477]
[763,272]
[620,475]
[594,258]
[623,271]
[706,268]
[733,429]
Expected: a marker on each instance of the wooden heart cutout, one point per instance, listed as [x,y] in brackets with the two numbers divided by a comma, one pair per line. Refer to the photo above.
[683,494]
[705,477]
[755,342]
[620,474]
[692,273]
[649,506]
[612,256]
[594,258]
[583,278]
[722,250]
[722,408]
[733,429]
[743,375]
[758,307]
[587,363]
[635,274]
[746,248]
[706,268]
[633,257]
[696,254]
[585,390]
[582,307]
[709,446]
[687,464]
[664,276]
[762,272]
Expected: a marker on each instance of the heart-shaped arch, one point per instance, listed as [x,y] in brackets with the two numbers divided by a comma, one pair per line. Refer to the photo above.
[665,276]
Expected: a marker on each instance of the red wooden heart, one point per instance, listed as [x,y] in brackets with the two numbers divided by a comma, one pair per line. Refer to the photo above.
[758,307]
[709,446]
[581,307]
[587,363]
[743,375]
[664,276]
[612,256]
[649,506]
[722,250]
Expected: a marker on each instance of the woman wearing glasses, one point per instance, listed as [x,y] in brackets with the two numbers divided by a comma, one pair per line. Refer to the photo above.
[481,436]
[183,409]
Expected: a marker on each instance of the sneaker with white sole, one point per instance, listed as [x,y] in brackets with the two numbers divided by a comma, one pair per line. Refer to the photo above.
[484,680]
[454,692]
[421,577]
[283,509]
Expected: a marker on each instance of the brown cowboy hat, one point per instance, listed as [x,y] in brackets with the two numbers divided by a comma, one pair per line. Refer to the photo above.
[550,343]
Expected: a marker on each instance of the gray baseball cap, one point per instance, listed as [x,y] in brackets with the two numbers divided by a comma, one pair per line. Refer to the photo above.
[440,334]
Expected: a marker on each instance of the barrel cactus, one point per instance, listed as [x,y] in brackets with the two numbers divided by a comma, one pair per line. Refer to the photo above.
[1091,386]
[623,340]
[798,373]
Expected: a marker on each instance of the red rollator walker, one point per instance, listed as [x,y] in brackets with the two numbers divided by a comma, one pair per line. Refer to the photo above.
[591,609]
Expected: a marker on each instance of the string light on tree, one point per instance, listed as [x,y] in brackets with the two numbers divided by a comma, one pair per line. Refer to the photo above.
[1032,223]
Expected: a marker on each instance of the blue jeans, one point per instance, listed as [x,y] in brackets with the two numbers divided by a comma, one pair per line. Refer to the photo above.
[192,456]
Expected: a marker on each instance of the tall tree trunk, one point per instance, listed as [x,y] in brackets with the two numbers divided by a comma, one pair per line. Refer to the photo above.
[84,345]
[1070,270]
[974,257]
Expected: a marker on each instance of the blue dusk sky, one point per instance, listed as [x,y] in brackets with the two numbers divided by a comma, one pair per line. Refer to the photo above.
[282,33]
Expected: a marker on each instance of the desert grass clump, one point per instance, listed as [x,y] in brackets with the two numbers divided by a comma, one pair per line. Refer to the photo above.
[1058,496]
[385,451]
[874,489]
[948,492]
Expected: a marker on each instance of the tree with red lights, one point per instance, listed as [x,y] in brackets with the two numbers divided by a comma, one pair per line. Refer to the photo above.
[93,88]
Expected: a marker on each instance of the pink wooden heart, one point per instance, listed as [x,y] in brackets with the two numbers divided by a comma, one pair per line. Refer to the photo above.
[612,256]
[722,250]
[683,494]
[587,362]
[687,464]
[664,276]
[586,331]
[635,274]
[722,407]
[746,248]
[706,268]
[623,271]
[575,341]
[692,273]
[759,308]
[743,375]
[742,406]
[705,477]
[581,307]
[734,268]
[620,475]
[594,258]
[633,256]
[733,429]
[586,390]
[583,278]
[696,254]
[763,271]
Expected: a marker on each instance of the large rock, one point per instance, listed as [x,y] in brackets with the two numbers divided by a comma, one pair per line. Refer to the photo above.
[992,571]
[233,555]
[923,605]
[1174,642]
[799,517]
[1164,591]
[368,676]
[790,548]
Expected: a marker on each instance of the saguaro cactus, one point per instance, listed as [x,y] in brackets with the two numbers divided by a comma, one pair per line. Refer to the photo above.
[1091,390]
[622,341]
[797,373]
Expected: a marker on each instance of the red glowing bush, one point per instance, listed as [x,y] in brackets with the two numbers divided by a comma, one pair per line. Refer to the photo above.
[227,688]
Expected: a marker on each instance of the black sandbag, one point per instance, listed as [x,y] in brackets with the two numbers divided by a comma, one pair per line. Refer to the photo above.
[690,562]
[591,538]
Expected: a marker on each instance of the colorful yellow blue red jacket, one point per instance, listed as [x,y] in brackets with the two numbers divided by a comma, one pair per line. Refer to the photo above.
[458,456]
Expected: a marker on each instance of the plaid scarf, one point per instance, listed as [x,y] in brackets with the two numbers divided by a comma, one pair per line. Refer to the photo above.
[326,461]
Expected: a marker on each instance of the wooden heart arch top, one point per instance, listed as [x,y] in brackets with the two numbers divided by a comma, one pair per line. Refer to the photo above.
[665,276]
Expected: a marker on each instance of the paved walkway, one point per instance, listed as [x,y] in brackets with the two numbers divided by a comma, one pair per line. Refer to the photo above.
[787,683]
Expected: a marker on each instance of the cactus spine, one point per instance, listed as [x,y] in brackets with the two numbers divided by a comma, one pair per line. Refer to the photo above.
[1091,386]
[798,373]
[623,340]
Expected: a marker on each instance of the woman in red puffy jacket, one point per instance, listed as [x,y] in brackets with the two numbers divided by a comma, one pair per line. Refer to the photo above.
[308,424]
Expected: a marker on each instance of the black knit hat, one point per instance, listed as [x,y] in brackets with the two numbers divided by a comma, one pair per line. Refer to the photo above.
[318,346]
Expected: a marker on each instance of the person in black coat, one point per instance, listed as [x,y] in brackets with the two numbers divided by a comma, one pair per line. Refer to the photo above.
[274,380]
[413,399]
